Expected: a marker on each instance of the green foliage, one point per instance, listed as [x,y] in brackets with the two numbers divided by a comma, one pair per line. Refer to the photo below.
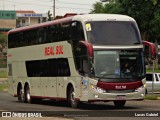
[3,74]
[145,12]
[111,7]
[49,15]
[3,86]
[152,97]
[98,8]
[151,70]
[3,39]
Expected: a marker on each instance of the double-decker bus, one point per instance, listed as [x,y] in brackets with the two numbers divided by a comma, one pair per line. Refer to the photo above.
[83,58]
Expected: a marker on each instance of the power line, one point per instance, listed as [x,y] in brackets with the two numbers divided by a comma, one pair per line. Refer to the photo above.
[73,3]
[43,4]
[24,3]
[49,6]
[66,2]
[73,8]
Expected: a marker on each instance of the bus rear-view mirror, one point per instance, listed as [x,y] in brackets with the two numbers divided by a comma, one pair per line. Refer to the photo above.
[89,48]
[151,49]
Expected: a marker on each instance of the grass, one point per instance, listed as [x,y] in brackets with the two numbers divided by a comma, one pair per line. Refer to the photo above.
[151,70]
[3,74]
[3,86]
[152,97]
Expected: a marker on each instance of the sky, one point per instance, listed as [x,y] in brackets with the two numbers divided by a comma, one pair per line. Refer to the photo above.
[43,6]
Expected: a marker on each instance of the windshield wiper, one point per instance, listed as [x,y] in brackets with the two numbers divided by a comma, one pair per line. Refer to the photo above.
[104,76]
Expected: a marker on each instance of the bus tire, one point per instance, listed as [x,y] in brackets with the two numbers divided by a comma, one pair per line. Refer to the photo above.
[20,94]
[71,98]
[119,104]
[28,98]
[27,94]
[146,92]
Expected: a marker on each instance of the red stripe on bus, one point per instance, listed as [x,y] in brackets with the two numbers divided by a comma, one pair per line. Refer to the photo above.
[120,86]
[45,24]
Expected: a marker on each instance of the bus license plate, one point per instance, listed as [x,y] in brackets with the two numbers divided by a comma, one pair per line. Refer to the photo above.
[120,97]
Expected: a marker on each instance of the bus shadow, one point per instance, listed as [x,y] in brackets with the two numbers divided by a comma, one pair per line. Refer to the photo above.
[87,106]
[84,106]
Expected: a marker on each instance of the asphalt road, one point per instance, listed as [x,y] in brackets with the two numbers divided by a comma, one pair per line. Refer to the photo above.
[131,110]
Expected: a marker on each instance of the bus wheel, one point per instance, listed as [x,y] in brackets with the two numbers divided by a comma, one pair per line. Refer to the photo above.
[20,94]
[119,104]
[71,98]
[146,92]
[27,94]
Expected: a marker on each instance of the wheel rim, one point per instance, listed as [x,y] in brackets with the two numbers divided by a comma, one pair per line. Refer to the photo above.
[73,97]
[28,95]
[21,95]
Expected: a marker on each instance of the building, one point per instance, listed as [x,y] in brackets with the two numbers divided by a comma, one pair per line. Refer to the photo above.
[7,20]
[12,19]
[26,18]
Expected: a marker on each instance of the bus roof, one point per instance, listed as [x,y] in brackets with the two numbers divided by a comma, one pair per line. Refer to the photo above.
[45,24]
[103,17]
[83,18]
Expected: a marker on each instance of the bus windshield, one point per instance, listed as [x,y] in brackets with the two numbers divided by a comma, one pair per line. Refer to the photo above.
[119,64]
[112,33]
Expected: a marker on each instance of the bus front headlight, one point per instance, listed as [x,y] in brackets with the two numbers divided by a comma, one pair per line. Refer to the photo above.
[97,89]
[140,89]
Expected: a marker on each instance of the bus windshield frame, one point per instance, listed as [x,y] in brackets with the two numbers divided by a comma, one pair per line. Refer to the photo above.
[119,64]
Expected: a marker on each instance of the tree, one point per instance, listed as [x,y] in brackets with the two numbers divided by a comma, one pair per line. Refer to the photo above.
[3,44]
[98,8]
[3,39]
[49,15]
[111,7]
[145,12]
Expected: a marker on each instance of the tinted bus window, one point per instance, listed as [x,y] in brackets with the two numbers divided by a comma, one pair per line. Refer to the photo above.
[53,33]
[48,68]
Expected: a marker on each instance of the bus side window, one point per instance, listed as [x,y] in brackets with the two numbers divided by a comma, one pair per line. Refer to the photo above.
[26,38]
[40,31]
[66,31]
[19,39]
[50,34]
[59,30]
[48,68]
[77,31]
[16,44]
[81,59]
[34,36]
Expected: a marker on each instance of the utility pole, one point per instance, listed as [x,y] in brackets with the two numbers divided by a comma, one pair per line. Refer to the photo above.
[54,9]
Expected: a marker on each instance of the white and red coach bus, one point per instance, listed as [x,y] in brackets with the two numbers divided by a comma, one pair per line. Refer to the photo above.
[83,58]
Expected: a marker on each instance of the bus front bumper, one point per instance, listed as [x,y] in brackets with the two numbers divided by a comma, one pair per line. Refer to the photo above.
[119,95]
